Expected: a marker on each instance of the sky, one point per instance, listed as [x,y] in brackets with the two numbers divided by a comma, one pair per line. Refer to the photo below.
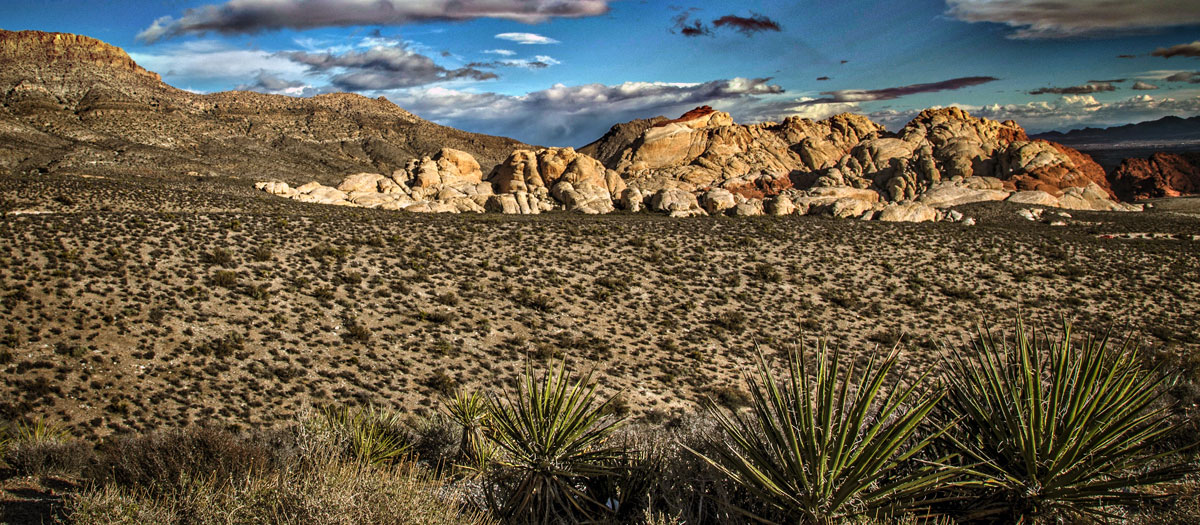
[561,72]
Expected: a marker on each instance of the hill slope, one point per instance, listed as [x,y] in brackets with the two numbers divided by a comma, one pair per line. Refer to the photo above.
[73,103]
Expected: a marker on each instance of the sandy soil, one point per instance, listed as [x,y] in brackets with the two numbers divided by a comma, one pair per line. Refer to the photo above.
[129,304]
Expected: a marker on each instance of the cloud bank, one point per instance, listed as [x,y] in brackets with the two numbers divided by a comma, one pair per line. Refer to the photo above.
[1039,19]
[1091,87]
[253,16]
[382,68]
[574,115]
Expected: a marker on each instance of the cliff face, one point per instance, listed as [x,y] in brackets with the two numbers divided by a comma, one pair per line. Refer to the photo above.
[1161,175]
[71,103]
[40,48]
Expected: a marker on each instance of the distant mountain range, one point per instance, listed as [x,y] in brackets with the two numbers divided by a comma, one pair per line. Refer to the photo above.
[1166,130]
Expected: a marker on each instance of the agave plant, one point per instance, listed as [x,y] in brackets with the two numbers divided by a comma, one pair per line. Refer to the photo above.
[1058,428]
[553,438]
[828,443]
[371,435]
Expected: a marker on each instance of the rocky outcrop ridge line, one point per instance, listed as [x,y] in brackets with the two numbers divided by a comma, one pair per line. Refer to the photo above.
[73,104]
[1161,175]
[704,164]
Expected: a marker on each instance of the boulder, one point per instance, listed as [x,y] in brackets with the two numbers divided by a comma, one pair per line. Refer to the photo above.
[458,167]
[276,188]
[717,201]
[676,203]
[948,194]
[846,207]
[1035,197]
[584,197]
[360,182]
[907,212]
[779,205]
[750,208]
[309,187]
[503,203]
[632,200]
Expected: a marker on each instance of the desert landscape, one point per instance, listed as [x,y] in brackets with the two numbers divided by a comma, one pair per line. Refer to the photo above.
[209,295]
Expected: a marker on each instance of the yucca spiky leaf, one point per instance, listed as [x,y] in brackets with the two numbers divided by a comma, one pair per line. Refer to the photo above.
[552,434]
[371,435]
[470,411]
[1058,426]
[828,443]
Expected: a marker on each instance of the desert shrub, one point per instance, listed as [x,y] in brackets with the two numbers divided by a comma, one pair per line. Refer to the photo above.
[325,491]
[827,443]
[39,448]
[553,441]
[224,346]
[162,461]
[219,257]
[225,279]
[732,320]
[262,253]
[1058,429]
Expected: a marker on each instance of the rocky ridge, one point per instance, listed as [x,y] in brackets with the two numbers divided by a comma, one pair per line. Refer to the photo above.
[1160,175]
[704,164]
[74,104]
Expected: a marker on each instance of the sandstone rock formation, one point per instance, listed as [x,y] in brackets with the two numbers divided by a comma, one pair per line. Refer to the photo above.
[1161,175]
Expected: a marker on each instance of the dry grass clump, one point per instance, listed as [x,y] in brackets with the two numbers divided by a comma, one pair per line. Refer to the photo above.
[328,491]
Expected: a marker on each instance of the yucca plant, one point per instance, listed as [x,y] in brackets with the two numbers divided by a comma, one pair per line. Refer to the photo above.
[553,437]
[372,435]
[470,411]
[39,431]
[1057,428]
[829,443]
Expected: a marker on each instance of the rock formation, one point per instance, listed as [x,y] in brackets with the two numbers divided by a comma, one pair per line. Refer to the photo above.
[74,104]
[1161,175]
[704,164]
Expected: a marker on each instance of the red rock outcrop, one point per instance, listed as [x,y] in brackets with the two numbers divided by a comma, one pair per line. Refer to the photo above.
[1161,175]
[1077,171]
[702,111]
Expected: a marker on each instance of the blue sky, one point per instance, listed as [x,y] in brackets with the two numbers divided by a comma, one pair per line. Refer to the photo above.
[560,72]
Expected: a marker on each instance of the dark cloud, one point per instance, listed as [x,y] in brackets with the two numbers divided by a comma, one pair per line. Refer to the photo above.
[383,68]
[1181,50]
[1184,76]
[756,23]
[253,16]
[867,95]
[1143,86]
[1038,19]
[493,64]
[1113,81]
[686,26]
[1094,87]
[822,78]
[1126,56]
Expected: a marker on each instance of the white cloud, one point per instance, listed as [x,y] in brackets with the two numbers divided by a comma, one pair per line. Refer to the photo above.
[1085,110]
[207,62]
[501,52]
[573,115]
[527,38]
[1036,19]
